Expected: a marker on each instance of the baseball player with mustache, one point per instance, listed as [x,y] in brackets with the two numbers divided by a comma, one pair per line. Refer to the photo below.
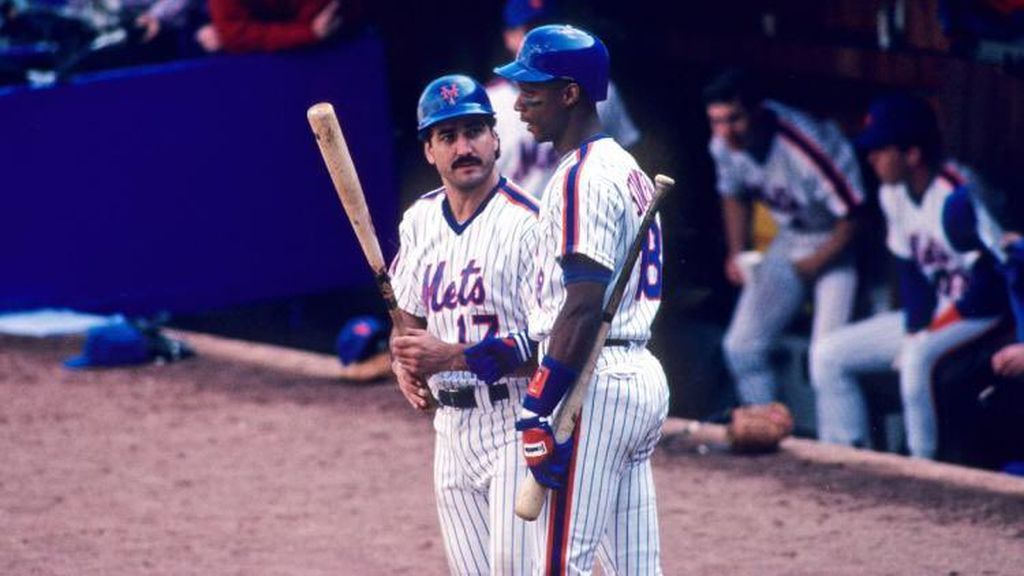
[463,273]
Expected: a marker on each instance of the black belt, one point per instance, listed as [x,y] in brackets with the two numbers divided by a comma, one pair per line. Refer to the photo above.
[624,343]
[466,397]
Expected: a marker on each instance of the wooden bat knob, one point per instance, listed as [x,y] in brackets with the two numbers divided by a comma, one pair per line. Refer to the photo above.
[664,181]
[319,111]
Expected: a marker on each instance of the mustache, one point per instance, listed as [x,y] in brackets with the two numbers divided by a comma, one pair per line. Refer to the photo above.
[466,161]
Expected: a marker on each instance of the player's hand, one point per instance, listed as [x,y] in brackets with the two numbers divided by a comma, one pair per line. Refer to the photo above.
[492,358]
[413,388]
[1009,362]
[424,355]
[327,21]
[150,25]
[807,269]
[733,273]
[208,38]
[548,460]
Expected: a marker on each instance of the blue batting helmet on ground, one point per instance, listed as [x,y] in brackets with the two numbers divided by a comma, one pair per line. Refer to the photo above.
[360,338]
[559,51]
[449,97]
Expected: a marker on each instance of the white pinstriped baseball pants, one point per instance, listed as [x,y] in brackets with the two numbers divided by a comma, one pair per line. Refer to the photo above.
[609,510]
[768,305]
[872,345]
[478,467]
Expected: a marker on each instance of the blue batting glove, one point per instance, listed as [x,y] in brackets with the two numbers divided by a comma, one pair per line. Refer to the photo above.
[492,358]
[548,460]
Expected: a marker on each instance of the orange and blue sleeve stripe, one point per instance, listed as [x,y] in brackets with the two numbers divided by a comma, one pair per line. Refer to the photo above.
[570,200]
[822,163]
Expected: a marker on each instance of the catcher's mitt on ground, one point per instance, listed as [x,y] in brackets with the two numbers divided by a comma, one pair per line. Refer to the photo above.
[758,429]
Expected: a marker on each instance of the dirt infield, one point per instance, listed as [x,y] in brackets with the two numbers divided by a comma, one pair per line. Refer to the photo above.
[227,465]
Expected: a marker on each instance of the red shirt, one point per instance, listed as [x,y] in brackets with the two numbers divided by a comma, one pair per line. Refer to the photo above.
[264,25]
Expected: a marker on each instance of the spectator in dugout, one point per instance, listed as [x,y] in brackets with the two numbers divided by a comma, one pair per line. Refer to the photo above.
[950,293]
[239,26]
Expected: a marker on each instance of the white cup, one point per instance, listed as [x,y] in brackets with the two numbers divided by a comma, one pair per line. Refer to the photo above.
[748,262]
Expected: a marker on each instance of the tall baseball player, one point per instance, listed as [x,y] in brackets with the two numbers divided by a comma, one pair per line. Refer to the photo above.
[805,172]
[462,273]
[523,158]
[603,503]
[949,297]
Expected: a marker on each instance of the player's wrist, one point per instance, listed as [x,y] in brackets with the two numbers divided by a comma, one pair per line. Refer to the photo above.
[550,383]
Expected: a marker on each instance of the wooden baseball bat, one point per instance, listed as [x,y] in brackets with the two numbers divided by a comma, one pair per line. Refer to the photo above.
[329,136]
[532,494]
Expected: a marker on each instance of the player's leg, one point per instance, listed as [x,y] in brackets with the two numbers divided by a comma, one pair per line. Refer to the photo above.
[631,542]
[766,306]
[917,361]
[511,550]
[619,413]
[836,359]
[834,294]
[461,507]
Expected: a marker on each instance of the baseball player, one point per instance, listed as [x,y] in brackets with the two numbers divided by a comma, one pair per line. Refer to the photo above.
[462,272]
[806,174]
[523,158]
[602,504]
[949,297]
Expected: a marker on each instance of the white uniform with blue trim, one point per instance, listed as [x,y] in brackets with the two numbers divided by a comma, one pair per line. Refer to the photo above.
[531,163]
[914,233]
[470,280]
[593,207]
[808,180]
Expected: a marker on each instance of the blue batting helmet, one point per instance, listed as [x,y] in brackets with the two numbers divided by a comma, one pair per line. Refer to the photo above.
[559,51]
[360,338]
[449,97]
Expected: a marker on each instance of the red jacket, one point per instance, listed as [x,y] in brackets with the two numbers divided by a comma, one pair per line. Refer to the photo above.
[264,25]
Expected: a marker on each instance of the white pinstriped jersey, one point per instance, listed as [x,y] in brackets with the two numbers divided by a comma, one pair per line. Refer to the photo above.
[809,178]
[915,231]
[469,279]
[593,206]
[531,163]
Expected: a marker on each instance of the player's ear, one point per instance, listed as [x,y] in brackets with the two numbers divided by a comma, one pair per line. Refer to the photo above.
[497,143]
[428,151]
[571,94]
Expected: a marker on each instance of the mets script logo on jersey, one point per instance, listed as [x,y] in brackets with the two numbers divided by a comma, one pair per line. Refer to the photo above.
[928,253]
[469,289]
[450,93]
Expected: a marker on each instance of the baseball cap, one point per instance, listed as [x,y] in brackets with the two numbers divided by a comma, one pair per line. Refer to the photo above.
[119,344]
[522,12]
[899,120]
[360,338]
